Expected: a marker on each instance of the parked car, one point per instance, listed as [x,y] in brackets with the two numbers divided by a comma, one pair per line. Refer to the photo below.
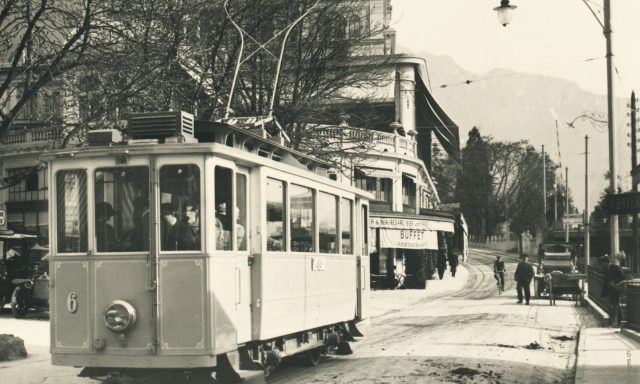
[21,259]
[556,257]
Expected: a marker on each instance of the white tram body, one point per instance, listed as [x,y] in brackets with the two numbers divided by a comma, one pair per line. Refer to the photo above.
[276,261]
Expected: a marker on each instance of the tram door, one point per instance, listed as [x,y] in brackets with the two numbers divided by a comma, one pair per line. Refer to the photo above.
[231,191]
[363,261]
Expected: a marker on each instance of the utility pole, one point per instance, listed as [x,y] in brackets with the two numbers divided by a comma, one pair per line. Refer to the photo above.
[544,187]
[586,202]
[566,206]
[613,166]
[555,204]
[633,263]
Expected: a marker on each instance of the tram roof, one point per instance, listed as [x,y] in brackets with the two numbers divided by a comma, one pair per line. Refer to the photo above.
[205,134]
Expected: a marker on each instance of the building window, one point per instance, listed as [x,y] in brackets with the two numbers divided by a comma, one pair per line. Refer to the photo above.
[355,26]
[31,187]
[408,191]
[379,187]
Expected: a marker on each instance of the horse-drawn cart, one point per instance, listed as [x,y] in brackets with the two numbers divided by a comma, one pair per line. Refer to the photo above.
[559,283]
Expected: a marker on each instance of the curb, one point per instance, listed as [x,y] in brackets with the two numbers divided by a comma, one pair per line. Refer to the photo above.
[579,346]
[597,311]
[630,333]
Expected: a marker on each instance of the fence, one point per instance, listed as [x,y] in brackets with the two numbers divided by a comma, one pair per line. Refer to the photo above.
[633,305]
[595,278]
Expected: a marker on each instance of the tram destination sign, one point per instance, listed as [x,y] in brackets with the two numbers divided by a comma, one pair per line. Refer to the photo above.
[623,203]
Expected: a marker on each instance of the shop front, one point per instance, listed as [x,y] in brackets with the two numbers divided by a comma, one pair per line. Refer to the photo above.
[406,247]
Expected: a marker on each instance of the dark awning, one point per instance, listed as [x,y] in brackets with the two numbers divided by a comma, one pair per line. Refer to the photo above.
[431,117]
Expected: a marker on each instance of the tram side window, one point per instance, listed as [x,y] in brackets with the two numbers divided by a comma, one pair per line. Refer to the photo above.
[328,223]
[301,220]
[346,211]
[241,211]
[71,205]
[223,203]
[122,209]
[275,215]
[180,207]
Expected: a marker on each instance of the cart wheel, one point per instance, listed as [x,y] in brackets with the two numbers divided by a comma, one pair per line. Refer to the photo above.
[19,303]
[313,356]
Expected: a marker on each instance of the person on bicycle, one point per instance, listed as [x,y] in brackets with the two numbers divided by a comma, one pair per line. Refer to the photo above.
[499,270]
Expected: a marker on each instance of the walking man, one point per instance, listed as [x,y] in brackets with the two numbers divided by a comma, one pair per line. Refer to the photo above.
[523,277]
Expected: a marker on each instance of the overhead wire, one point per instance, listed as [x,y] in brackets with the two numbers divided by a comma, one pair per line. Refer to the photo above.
[469,81]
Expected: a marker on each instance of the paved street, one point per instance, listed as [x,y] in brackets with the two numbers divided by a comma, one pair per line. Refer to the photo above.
[467,335]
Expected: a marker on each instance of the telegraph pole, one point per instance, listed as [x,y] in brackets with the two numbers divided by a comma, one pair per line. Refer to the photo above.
[544,187]
[613,166]
[634,161]
[566,207]
[586,202]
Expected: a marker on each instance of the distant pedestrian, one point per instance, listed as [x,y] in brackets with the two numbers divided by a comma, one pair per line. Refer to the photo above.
[441,261]
[453,263]
[524,275]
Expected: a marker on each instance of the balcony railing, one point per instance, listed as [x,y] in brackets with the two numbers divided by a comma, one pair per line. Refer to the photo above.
[30,138]
[374,140]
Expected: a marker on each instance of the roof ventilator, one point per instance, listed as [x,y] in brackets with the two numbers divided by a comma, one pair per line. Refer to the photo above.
[170,127]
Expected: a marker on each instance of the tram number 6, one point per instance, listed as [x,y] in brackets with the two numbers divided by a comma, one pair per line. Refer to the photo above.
[72,302]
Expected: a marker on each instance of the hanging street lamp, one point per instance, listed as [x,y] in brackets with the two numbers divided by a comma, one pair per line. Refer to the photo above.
[505,12]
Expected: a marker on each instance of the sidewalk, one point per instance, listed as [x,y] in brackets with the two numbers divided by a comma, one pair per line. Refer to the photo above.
[607,356]
[391,300]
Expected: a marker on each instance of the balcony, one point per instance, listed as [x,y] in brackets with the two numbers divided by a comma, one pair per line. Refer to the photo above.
[374,141]
[29,139]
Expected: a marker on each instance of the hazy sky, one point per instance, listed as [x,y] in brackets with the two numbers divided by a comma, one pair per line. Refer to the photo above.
[550,37]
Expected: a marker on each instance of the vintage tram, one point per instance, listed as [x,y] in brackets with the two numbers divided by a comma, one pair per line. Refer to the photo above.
[191,245]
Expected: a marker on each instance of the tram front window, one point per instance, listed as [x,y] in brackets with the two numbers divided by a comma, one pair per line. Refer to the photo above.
[71,207]
[180,207]
[122,209]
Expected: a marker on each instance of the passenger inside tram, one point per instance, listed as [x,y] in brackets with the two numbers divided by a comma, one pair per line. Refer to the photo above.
[176,235]
[105,234]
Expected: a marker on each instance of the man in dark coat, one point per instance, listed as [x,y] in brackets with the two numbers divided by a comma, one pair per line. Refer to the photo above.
[176,235]
[523,277]
[613,277]
[453,263]
[441,261]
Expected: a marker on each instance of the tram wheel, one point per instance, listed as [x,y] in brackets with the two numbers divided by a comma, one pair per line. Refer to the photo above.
[19,303]
[313,356]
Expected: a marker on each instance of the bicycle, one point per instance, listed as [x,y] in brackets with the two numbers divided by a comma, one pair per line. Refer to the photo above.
[499,276]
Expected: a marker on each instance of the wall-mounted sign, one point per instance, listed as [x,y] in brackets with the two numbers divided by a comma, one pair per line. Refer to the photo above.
[408,238]
[572,219]
[407,223]
[449,206]
[3,217]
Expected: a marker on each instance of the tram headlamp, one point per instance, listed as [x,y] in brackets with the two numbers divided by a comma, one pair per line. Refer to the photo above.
[119,316]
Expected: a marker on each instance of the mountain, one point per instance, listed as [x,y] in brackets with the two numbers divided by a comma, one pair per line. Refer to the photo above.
[519,106]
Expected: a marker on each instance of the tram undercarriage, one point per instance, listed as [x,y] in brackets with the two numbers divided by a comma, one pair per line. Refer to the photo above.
[267,356]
